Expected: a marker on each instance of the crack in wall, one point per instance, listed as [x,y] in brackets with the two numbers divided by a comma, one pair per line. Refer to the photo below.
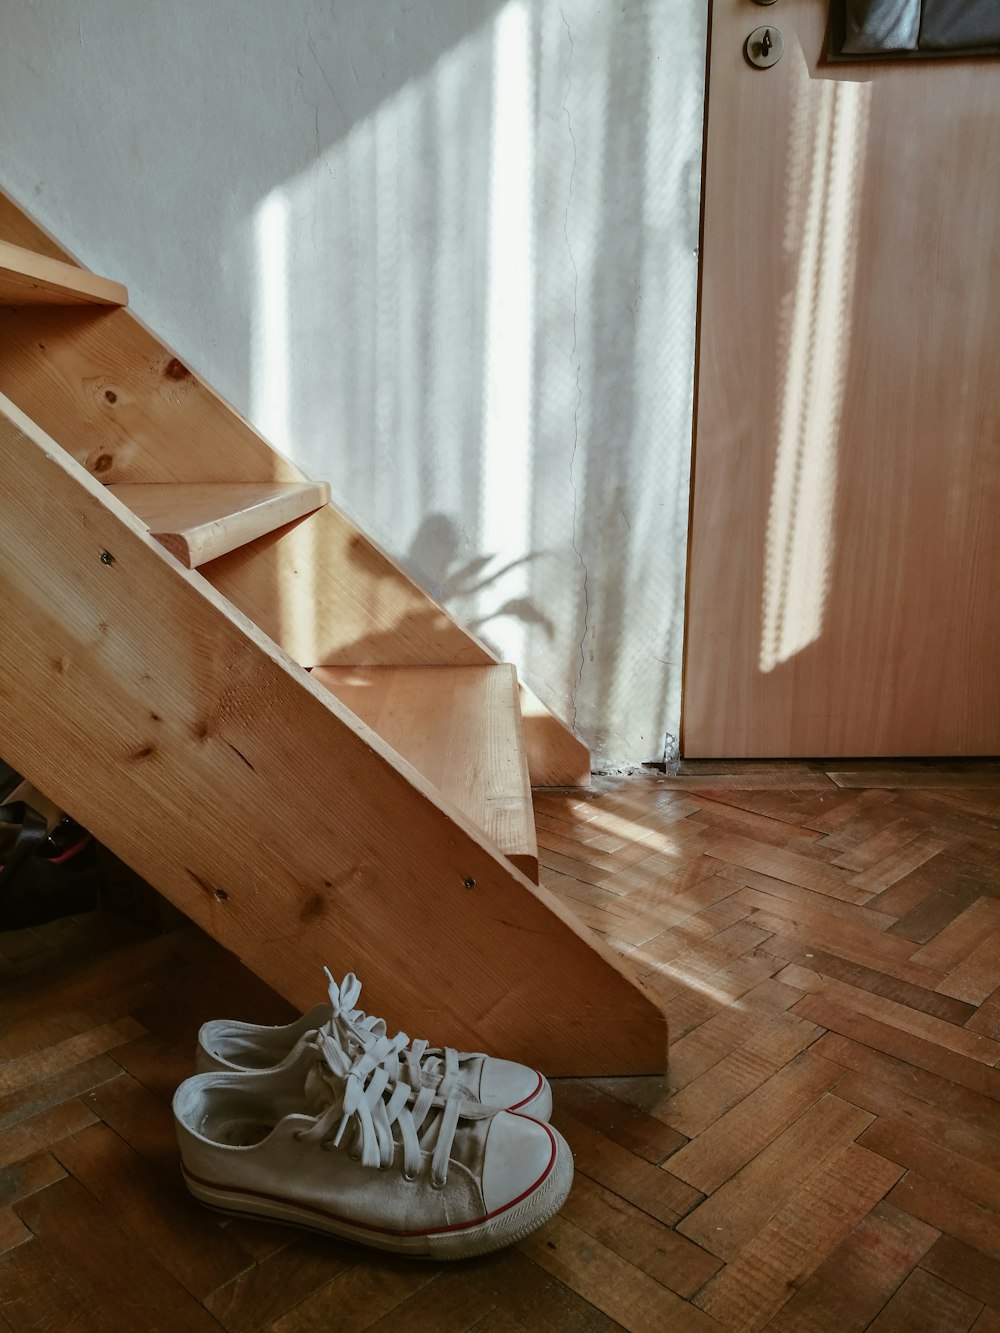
[574,358]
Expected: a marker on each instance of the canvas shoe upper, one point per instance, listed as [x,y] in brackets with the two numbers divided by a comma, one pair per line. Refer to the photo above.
[328,1140]
[240,1047]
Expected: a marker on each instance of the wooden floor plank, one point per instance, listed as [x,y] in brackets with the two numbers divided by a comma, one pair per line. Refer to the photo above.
[986,1019]
[884,842]
[732,1027]
[795,893]
[946,1035]
[925,1304]
[64,1054]
[726,1084]
[947,899]
[525,1298]
[123,1279]
[621,1290]
[737,1211]
[34,1098]
[793,1244]
[710,1159]
[38,1295]
[960,936]
[883,874]
[897,1142]
[888,987]
[623,1124]
[966,1268]
[28,1176]
[852,1285]
[790,866]
[156,1211]
[669,1258]
[13,1232]
[41,1131]
[264,1291]
[943,1207]
[822,1156]
[357,1297]
[653,1190]
[976,976]
[919,1051]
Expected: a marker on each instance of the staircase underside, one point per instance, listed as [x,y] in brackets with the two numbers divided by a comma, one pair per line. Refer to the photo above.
[371,816]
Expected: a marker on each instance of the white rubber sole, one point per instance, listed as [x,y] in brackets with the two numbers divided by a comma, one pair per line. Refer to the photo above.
[503,1228]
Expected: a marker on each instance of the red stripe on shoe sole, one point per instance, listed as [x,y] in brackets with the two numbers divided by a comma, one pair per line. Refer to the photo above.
[367,1226]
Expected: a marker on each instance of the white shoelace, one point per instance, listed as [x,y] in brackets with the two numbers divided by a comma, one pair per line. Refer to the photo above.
[416,1062]
[366,1097]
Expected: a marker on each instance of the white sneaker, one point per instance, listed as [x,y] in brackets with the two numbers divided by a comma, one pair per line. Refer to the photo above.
[370,1160]
[244,1047]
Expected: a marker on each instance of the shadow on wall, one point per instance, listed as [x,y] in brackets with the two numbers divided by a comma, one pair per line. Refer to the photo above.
[475,317]
[467,583]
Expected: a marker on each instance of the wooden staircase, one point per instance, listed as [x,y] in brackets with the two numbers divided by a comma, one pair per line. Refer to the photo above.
[208,665]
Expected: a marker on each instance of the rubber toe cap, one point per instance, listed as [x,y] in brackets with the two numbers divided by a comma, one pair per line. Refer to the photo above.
[519,1155]
[515,1088]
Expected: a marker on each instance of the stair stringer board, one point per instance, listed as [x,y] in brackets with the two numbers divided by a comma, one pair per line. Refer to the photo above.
[136,697]
[130,410]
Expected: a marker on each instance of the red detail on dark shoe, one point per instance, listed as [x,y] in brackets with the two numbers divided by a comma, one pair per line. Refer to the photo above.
[70,852]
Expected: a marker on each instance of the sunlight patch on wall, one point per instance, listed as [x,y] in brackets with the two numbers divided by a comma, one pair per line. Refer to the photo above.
[270,332]
[488,311]
[508,414]
[827,145]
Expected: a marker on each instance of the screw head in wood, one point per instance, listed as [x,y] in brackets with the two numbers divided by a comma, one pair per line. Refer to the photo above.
[107,558]
[469,882]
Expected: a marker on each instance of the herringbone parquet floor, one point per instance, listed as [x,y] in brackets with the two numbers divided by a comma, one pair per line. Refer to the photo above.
[824,1153]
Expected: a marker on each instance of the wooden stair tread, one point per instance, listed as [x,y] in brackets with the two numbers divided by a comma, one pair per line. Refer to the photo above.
[461,728]
[27,278]
[198,522]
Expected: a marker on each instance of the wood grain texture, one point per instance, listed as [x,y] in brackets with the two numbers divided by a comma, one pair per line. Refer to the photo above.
[461,728]
[261,806]
[200,522]
[925,1302]
[788,1249]
[28,278]
[853,1284]
[856,1187]
[844,546]
[330,597]
[129,409]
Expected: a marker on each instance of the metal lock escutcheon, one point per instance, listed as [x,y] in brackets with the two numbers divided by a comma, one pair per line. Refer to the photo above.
[764,47]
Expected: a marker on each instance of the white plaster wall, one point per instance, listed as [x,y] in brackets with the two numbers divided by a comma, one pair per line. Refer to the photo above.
[444,254]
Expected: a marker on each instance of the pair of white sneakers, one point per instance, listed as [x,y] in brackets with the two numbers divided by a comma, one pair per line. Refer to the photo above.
[329,1123]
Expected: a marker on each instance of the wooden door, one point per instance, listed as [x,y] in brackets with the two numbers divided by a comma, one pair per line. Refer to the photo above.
[844,585]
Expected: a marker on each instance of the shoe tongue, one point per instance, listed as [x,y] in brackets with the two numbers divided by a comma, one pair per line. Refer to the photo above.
[322,1089]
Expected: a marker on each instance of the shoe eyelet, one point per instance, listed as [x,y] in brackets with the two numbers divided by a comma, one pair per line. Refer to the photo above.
[437,1184]
[408,1178]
